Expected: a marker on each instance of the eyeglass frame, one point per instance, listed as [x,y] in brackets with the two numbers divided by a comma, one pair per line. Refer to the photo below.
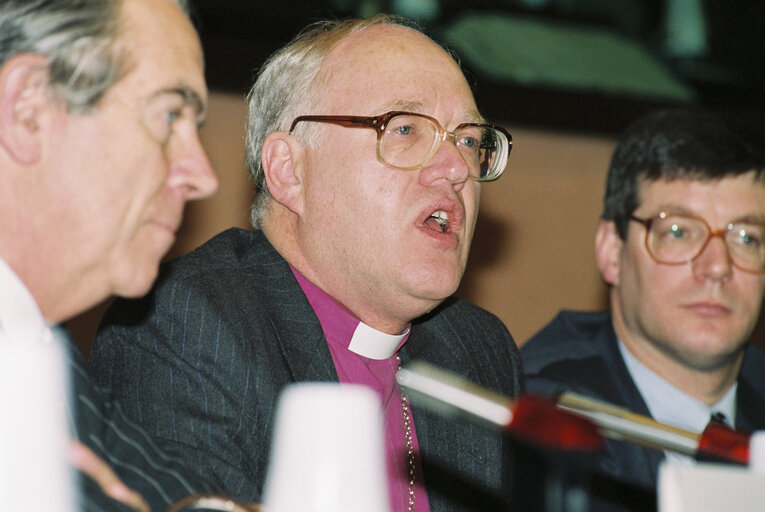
[710,234]
[379,123]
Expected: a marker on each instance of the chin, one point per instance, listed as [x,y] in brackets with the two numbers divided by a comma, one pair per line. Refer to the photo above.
[137,283]
[435,293]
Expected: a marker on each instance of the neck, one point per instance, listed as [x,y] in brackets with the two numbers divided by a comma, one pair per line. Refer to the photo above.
[282,238]
[59,293]
[707,384]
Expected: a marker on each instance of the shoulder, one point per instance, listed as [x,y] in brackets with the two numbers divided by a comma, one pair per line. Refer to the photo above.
[223,284]
[216,270]
[459,319]
[468,340]
[570,335]
[753,368]
[577,352]
[233,249]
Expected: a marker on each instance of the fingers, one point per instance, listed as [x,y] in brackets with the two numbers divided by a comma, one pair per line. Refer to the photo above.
[92,465]
[213,502]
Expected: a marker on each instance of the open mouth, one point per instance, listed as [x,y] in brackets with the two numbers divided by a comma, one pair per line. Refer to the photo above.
[438,220]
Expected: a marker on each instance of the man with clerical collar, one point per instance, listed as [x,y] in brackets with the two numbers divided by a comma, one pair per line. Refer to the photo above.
[367,153]
[680,245]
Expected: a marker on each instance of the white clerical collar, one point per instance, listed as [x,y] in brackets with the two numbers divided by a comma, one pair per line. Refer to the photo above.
[20,317]
[373,344]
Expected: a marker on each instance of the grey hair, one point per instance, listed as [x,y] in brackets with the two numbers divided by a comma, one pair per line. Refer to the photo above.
[284,89]
[77,38]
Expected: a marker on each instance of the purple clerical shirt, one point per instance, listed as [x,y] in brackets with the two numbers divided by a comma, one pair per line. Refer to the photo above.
[365,356]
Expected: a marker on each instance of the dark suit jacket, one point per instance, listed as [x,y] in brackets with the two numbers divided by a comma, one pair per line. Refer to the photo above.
[579,352]
[99,423]
[200,363]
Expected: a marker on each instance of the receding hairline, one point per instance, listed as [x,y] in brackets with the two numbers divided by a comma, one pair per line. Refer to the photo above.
[389,28]
[332,63]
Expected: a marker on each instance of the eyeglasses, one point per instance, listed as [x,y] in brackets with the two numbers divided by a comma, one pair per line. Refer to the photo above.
[675,239]
[407,141]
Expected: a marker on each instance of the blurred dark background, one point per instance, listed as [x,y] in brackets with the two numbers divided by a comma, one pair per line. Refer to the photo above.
[569,64]
[565,76]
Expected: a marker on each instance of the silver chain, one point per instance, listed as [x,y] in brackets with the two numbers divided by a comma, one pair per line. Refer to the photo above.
[408,440]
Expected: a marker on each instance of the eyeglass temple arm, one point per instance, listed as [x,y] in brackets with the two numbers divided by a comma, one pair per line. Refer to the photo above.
[347,121]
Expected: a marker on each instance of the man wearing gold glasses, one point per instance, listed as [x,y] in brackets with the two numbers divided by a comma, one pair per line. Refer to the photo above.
[681,246]
[368,155]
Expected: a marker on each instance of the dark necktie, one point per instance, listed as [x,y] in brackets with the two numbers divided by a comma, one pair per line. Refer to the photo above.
[720,443]
[718,417]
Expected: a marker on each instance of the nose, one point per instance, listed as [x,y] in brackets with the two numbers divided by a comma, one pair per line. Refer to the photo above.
[446,164]
[190,169]
[714,260]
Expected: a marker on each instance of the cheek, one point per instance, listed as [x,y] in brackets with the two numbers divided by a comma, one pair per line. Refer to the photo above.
[327,196]
[661,285]
[642,283]
[472,198]
[754,292]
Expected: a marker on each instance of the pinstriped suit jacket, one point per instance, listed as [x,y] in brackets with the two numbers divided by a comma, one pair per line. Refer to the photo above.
[98,422]
[201,360]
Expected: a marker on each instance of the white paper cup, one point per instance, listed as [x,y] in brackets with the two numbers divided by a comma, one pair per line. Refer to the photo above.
[757,452]
[327,453]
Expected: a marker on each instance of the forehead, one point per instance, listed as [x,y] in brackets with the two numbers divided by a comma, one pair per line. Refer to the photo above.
[160,47]
[383,67]
[731,197]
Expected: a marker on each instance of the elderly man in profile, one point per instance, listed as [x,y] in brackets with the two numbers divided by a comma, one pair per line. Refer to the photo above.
[681,245]
[368,155]
[99,107]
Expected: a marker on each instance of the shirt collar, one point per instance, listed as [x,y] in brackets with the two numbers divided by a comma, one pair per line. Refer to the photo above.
[668,404]
[20,317]
[342,327]
[373,344]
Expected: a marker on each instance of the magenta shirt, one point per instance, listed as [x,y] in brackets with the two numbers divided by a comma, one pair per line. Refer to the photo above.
[378,373]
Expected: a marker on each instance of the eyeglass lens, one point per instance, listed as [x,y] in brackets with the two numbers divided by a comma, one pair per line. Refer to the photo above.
[409,141]
[678,239]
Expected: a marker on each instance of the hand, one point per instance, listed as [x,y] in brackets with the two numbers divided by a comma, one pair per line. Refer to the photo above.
[213,502]
[92,465]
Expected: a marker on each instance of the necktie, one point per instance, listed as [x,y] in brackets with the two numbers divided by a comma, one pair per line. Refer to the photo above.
[718,417]
[720,443]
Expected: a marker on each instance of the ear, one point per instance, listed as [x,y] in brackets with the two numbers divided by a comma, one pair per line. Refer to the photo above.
[283,161]
[608,248]
[24,96]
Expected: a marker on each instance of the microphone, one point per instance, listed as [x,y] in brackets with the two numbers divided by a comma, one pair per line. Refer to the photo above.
[568,422]
[717,442]
[529,418]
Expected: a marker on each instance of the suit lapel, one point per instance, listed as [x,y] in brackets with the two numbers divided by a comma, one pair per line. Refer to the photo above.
[641,460]
[452,448]
[750,408]
[295,325]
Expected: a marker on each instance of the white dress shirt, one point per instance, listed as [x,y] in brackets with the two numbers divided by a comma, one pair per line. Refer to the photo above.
[33,398]
[669,405]
[21,320]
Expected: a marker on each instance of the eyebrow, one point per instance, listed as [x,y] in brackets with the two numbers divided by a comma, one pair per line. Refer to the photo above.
[191,98]
[474,117]
[470,116]
[757,218]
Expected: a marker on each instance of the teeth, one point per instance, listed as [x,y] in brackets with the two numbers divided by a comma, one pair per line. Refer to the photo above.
[442,218]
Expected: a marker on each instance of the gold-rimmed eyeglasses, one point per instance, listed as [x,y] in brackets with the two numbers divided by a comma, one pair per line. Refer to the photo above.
[676,239]
[407,141]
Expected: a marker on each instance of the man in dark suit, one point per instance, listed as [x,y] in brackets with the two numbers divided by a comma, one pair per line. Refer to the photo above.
[368,153]
[681,248]
[99,107]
